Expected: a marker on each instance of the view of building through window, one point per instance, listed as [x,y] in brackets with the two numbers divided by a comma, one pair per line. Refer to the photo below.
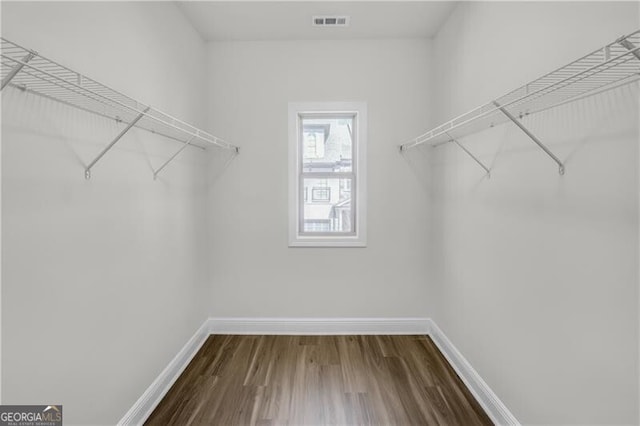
[327,178]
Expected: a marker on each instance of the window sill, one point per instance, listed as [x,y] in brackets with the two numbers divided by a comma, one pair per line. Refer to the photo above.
[338,242]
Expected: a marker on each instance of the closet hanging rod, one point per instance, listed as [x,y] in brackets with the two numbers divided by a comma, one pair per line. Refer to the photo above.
[147,112]
[629,80]
[599,70]
[29,71]
[201,147]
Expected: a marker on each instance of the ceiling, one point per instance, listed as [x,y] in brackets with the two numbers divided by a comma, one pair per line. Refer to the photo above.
[288,20]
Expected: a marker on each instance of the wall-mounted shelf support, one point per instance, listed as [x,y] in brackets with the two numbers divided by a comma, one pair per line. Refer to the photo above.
[486,169]
[17,69]
[531,136]
[609,67]
[186,144]
[87,170]
[32,73]
[624,42]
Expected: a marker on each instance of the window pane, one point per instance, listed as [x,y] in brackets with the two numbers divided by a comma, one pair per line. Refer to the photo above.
[327,144]
[327,207]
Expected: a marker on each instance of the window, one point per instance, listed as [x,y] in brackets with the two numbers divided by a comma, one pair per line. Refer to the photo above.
[315,139]
[319,194]
[327,186]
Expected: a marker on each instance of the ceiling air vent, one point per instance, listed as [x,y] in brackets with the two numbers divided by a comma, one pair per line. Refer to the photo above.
[330,21]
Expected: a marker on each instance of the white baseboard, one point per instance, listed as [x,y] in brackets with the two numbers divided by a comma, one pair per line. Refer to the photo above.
[318,326]
[487,399]
[145,405]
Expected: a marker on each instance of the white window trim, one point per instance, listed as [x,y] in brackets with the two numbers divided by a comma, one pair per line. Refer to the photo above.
[360,237]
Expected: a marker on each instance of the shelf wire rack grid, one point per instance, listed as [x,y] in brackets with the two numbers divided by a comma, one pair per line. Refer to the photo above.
[608,67]
[31,72]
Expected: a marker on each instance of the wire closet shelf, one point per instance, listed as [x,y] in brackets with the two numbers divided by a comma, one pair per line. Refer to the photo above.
[31,72]
[608,67]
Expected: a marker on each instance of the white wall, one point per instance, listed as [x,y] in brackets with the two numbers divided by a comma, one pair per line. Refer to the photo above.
[532,275]
[103,280]
[254,273]
[538,272]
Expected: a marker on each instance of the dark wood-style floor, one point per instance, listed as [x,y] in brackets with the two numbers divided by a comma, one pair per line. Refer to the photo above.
[318,380]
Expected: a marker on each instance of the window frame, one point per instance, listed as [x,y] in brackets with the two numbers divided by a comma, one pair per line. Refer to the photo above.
[298,111]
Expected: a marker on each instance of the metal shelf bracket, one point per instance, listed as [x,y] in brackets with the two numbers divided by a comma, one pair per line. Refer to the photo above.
[486,169]
[28,71]
[624,42]
[609,67]
[87,170]
[531,136]
[186,144]
[17,69]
